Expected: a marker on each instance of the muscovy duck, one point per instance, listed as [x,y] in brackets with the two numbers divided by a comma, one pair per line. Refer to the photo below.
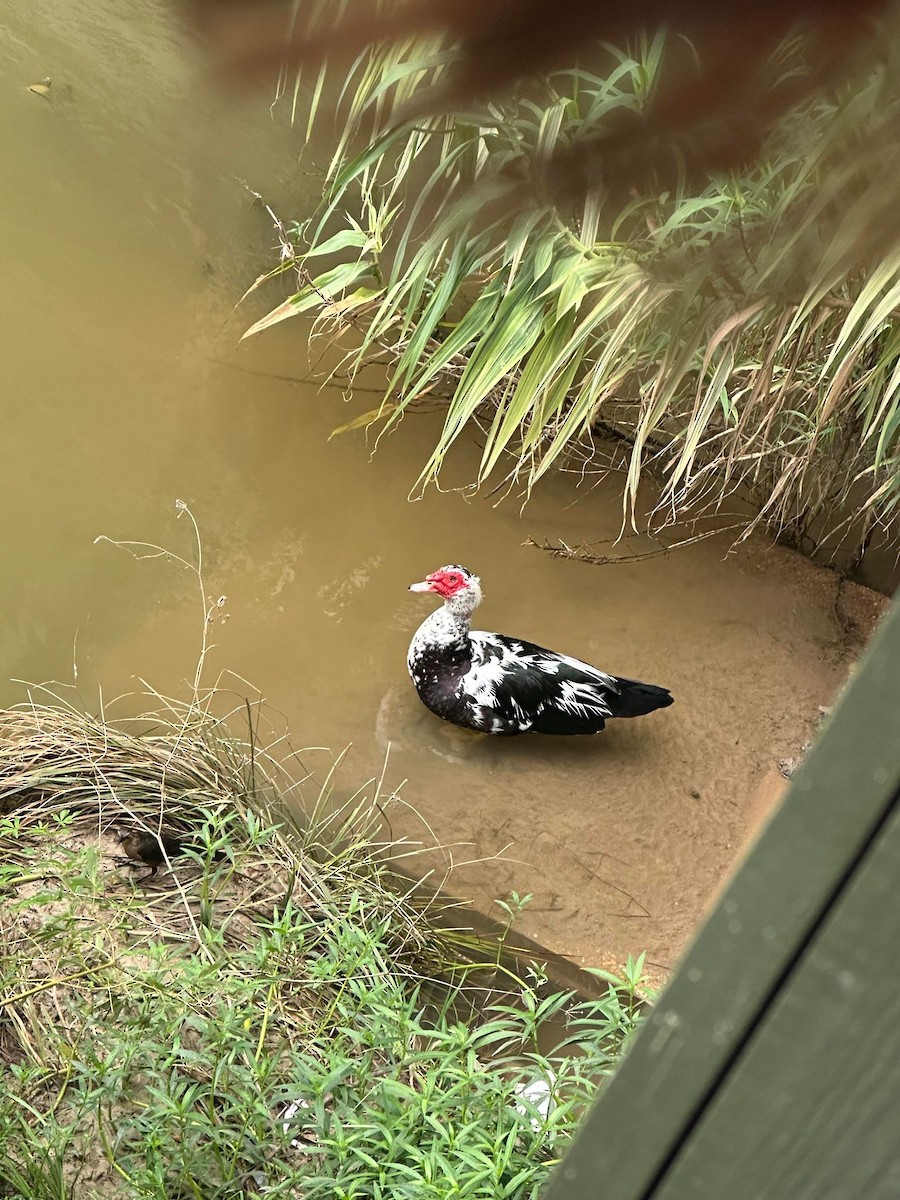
[505,686]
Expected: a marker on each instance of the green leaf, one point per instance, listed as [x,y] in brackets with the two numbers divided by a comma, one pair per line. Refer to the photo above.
[339,241]
[317,294]
[366,419]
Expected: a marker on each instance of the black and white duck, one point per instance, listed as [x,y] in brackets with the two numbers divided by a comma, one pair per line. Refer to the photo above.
[502,685]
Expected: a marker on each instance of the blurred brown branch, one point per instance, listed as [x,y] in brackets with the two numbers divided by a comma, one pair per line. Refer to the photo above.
[716,101]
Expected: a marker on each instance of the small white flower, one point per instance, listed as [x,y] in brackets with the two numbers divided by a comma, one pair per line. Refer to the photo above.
[287,1115]
[540,1096]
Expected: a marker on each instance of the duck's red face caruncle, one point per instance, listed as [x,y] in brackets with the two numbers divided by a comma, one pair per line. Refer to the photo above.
[446,582]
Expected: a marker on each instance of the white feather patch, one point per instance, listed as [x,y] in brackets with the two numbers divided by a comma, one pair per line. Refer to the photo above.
[482,681]
[581,700]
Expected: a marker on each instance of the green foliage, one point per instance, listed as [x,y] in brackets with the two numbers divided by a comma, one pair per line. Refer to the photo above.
[739,337]
[280,1019]
[182,1085]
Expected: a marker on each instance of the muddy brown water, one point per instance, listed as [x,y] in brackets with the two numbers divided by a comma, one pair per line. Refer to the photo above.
[127,240]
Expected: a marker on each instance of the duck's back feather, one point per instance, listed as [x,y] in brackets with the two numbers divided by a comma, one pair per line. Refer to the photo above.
[532,688]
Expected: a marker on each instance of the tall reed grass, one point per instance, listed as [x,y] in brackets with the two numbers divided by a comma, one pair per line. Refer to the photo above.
[739,338]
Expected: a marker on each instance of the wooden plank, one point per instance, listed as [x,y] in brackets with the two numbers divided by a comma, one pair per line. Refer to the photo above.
[751,942]
[811,1110]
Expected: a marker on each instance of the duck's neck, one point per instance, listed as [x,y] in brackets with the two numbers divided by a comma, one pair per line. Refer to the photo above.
[446,630]
[445,627]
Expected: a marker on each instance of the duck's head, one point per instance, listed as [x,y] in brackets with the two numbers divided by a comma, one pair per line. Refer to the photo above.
[457,587]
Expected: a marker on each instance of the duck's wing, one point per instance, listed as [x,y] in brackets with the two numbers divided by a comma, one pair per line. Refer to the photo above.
[534,688]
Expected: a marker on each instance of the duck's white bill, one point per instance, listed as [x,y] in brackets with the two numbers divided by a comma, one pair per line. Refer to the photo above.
[420,587]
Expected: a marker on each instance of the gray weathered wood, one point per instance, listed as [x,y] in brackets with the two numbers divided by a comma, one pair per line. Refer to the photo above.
[751,944]
[811,1108]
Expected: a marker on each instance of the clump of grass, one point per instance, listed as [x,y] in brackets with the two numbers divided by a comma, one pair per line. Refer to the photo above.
[280,1019]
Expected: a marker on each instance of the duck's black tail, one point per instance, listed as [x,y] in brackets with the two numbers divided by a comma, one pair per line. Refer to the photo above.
[634,699]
